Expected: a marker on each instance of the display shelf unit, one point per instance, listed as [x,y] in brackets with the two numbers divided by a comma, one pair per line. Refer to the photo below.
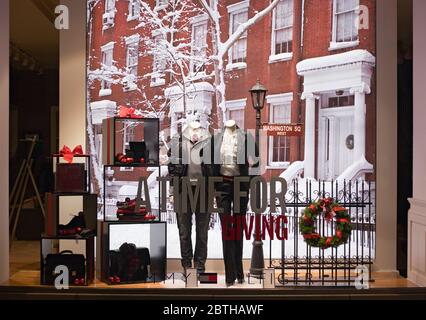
[121,183]
[76,253]
[143,234]
[83,202]
[137,138]
[125,225]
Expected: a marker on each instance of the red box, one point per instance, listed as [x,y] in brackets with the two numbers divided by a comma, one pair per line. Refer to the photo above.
[71,178]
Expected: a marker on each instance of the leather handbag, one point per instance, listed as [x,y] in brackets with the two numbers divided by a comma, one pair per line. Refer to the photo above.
[76,264]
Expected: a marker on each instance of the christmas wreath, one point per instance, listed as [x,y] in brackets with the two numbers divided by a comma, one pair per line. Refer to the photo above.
[330,210]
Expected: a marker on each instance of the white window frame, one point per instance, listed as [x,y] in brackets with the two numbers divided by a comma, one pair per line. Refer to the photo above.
[196,22]
[158,80]
[108,12]
[112,9]
[281,56]
[233,10]
[236,105]
[132,79]
[131,15]
[334,45]
[161,4]
[277,100]
[106,90]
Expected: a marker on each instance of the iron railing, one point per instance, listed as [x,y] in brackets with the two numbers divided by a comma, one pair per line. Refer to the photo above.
[301,264]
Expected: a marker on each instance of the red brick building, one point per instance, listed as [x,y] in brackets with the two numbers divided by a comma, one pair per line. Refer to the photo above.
[318,66]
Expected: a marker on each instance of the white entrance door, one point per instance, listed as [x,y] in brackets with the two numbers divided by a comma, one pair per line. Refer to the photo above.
[335,141]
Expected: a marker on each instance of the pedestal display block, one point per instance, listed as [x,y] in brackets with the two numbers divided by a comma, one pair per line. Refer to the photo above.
[131,193]
[67,260]
[133,252]
[130,141]
[80,214]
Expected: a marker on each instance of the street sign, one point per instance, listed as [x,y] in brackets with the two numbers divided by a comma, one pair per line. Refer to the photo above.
[288,130]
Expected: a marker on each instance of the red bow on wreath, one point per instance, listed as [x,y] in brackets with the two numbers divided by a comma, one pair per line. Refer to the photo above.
[125,112]
[69,155]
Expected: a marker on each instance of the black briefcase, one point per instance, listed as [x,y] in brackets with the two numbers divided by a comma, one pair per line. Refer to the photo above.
[76,264]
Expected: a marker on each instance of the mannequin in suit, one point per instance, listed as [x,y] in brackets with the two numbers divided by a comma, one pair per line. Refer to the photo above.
[190,145]
[231,161]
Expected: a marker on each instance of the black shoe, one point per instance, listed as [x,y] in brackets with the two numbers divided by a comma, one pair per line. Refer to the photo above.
[201,270]
[230,284]
[241,280]
[75,226]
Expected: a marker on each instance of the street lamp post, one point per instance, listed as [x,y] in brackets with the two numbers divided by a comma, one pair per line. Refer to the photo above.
[258,95]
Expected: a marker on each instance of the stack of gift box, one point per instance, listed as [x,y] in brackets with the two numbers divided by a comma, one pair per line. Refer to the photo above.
[71,222]
[131,244]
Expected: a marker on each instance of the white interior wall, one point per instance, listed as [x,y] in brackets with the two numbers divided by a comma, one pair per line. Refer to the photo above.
[417,213]
[4,141]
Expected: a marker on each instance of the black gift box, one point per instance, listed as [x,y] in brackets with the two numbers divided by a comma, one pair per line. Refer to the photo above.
[139,150]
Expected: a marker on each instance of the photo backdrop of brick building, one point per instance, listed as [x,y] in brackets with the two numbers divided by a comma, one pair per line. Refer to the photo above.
[318,66]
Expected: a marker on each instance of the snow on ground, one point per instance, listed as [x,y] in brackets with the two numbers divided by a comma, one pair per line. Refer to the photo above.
[215,246]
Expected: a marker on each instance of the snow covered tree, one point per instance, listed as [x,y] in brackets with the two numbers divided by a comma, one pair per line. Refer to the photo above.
[164,36]
[167,37]
[221,48]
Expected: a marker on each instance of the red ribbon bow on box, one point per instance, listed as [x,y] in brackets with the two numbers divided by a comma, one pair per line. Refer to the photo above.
[69,155]
[125,112]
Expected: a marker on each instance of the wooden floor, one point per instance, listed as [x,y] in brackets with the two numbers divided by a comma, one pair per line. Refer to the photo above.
[25,271]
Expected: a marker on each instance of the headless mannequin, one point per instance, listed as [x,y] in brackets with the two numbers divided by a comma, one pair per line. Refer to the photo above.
[232,236]
[191,144]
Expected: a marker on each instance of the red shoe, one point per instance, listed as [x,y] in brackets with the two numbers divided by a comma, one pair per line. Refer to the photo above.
[70,232]
[128,208]
[122,158]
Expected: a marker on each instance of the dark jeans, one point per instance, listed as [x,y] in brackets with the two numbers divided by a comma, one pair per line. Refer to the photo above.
[202,221]
[232,235]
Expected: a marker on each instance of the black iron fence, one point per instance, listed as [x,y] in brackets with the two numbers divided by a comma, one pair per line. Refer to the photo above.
[298,264]
[301,264]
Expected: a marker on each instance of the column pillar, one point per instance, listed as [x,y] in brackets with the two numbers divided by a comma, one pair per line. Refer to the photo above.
[386,149]
[72,85]
[359,120]
[4,140]
[310,127]
[417,214]
[72,77]
[173,124]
